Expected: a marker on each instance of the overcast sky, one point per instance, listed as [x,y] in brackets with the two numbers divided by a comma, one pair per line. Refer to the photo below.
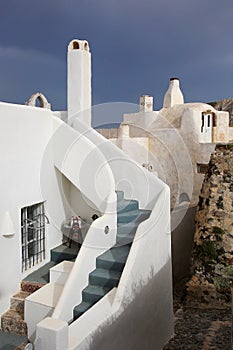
[136,47]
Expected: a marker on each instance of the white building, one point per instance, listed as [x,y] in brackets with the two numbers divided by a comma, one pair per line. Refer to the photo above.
[174,143]
[52,169]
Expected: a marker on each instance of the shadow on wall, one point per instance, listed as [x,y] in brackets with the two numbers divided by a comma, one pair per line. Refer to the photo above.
[144,324]
[182,243]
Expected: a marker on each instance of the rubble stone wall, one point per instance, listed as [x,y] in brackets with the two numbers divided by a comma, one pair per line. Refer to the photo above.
[212,255]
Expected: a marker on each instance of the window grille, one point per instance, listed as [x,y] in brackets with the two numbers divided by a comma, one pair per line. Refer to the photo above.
[32,235]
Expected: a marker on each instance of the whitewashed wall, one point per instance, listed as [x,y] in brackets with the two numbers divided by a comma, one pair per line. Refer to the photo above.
[24,134]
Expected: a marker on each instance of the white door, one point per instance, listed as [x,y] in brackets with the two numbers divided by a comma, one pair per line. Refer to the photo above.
[206,127]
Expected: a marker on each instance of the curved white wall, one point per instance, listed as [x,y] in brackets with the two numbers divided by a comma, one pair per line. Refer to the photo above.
[130,177]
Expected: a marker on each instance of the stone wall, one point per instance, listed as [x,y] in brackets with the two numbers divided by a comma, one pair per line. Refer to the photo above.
[212,255]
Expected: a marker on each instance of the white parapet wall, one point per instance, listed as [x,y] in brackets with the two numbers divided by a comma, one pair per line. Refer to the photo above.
[40,305]
[60,272]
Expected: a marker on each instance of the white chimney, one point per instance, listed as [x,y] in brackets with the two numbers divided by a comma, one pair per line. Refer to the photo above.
[146,103]
[79,81]
[173,95]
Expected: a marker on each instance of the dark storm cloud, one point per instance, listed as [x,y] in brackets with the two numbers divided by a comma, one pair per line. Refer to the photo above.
[136,47]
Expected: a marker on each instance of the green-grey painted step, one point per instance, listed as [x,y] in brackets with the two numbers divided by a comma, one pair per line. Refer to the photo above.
[127,228]
[62,252]
[92,294]
[126,205]
[41,275]
[120,195]
[104,278]
[114,258]
[134,215]
[9,341]
[81,308]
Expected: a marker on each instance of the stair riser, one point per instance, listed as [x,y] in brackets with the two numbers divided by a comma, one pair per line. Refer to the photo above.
[77,314]
[125,207]
[124,240]
[104,264]
[17,305]
[120,195]
[59,257]
[126,219]
[12,325]
[104,282]
[30,287]
[126,230]
[91,298]
[80,310]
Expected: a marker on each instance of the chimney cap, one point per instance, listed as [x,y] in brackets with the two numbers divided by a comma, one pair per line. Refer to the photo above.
[174,79]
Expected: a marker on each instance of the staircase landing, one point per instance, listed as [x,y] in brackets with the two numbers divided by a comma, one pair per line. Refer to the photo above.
[9,341]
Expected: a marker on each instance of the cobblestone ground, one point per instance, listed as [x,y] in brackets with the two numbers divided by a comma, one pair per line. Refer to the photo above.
[205,329]
[201,329]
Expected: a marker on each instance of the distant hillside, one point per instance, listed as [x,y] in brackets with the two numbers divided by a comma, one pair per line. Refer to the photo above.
[224,105]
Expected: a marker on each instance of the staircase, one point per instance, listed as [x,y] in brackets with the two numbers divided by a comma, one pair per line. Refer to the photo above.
[110,264]
[12,321]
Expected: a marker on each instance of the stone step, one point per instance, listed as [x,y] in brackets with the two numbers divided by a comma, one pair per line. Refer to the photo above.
[17,301]
[13,322]
[31,287]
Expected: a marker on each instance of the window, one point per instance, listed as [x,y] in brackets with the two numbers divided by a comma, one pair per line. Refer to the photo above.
[202,123]
[33,235]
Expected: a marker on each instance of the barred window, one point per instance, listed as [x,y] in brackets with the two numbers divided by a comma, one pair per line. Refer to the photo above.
[32,235]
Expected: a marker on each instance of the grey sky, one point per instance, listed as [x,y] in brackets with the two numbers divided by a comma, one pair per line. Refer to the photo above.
[136,47]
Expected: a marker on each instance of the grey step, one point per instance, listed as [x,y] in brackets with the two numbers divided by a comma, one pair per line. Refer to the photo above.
[128,216]
[80,309]
[135,215]
[92,294]
[62,252]
[124,239]
[120,195]
[124,229]
[104,278]
[126,205]
[114,258]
